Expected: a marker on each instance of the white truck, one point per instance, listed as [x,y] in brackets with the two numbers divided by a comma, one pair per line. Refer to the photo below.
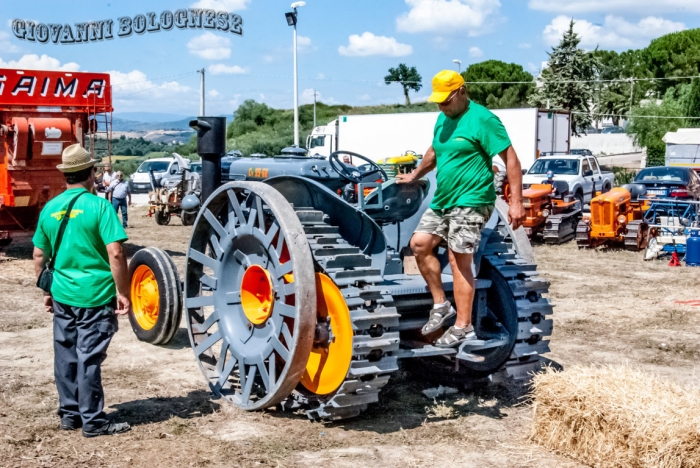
[378,136]
[683,148]
[581,173]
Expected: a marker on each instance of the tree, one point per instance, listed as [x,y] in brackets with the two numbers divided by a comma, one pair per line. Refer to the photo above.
[675,54]
[498,95]
[566,83]
[407,77]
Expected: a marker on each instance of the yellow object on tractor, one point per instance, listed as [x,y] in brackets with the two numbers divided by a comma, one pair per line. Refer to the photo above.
[617,217]
[552,214]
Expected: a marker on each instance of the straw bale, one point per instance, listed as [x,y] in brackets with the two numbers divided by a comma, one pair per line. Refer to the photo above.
[616,416]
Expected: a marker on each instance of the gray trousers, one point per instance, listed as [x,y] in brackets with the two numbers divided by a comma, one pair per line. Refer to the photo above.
[80,340]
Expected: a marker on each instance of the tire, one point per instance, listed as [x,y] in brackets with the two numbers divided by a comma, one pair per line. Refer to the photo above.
[156,296]
[606,187]
[162,218]
[188,218]
[579,196]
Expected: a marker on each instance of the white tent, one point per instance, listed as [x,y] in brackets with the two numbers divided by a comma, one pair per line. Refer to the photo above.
[684,136]
[683,148]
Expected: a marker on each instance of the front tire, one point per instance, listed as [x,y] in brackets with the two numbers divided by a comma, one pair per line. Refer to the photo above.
[162,218]
[188,218]
[156,296]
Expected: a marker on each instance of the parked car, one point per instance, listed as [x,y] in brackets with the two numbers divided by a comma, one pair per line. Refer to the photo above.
[673,182]
[140,181]
[613,129]
[581,173]
[581,152]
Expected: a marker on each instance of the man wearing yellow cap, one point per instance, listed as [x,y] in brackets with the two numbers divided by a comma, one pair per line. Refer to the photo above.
[466,138]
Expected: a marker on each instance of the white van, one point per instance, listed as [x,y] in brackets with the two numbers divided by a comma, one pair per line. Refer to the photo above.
[140,180]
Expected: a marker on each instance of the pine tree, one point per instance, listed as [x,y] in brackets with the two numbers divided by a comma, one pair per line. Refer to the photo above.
[409,78]
[566,82]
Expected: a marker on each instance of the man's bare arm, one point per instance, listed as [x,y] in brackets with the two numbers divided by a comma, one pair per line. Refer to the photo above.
[120,273]
[426,165]
[516,212]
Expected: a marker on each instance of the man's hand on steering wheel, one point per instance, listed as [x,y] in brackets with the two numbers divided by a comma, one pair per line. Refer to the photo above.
[352,174]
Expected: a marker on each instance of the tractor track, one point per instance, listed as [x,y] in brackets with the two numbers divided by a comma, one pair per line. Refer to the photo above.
[635,236]
[560,228]
[375,322]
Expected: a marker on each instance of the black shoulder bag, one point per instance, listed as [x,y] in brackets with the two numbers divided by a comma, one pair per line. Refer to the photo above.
[46,277]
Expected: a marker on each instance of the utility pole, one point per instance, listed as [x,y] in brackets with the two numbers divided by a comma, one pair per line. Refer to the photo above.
[631,94]
[201,93]
[314,108]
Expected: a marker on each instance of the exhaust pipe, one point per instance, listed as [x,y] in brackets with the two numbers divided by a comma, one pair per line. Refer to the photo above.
[211,147]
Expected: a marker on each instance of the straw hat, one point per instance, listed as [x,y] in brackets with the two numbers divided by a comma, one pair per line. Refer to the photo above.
[75,159]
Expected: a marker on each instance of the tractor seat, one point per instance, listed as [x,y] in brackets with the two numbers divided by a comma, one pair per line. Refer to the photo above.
[635,190]
[399,201]
[561,187]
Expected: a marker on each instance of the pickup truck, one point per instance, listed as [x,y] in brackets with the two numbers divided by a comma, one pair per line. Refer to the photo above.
[581,173]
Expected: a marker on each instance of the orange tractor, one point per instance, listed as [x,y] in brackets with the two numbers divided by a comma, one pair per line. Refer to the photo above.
[41,113]
[617,217]
[552,213]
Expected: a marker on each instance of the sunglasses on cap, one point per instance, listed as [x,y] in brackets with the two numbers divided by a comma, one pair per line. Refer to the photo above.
[451,97]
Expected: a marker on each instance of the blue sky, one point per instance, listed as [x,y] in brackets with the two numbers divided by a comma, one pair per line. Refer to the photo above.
[346,46]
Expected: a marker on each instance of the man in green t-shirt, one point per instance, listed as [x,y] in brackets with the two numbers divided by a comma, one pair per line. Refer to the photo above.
[466,138]
[90,288]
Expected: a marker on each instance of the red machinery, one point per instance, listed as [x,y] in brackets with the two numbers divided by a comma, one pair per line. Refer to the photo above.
[41,113]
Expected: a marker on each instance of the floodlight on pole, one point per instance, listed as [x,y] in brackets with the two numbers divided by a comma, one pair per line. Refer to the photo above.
[292,21]
[459,65]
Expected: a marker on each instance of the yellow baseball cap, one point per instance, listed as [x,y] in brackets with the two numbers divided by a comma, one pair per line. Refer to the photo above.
[444,83]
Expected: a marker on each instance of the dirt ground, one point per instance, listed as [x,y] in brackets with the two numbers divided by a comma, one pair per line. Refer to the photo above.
[611,307]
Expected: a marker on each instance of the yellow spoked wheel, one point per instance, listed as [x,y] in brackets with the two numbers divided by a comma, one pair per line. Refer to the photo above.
[156,296]
[145,300]
[331,355]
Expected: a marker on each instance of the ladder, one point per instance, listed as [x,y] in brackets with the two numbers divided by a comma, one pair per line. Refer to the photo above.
[100,130]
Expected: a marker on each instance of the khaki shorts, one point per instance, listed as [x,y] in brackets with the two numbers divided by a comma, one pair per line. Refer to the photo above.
[459,227]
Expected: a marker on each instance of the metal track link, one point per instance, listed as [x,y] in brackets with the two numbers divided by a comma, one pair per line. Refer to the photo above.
[631,237]
[533,325]
[560,228]
[583,236]
[375,321]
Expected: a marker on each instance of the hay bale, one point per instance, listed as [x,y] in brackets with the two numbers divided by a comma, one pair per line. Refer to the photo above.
[616,416]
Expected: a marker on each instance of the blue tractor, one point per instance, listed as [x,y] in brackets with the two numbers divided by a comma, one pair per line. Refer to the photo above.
[295,296]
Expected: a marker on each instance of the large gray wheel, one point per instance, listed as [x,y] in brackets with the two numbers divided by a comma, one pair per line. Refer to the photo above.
[250,295]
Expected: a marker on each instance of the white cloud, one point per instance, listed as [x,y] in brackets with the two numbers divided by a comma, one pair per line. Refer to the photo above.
[303,44]
[221,69]
[262,97]
[222,5]
[34,62]
[6,45]
[615,33]
[210,46]
[532,67]
[213,93]
[364,98]
[127,86]
[449,16]
[320,76]
[524,45]
[369,44]
[475,52]
[626,6]
[268,58]
[307,97]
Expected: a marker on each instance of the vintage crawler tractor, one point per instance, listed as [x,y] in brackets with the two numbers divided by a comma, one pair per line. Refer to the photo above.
[552,212]
[294,296]
[41,113]
[617,218]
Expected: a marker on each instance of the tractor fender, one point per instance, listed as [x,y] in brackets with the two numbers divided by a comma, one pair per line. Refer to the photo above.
[355,226]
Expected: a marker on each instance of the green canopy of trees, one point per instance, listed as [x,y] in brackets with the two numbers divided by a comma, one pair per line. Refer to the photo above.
[498,95]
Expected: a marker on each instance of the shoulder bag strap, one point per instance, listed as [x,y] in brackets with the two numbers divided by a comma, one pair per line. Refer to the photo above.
[62,229]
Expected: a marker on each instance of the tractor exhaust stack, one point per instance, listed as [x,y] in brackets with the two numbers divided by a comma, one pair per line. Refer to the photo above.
[211,147]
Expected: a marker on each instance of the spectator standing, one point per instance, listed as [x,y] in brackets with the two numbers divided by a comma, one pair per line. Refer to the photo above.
[107,178]
[119,188]
[90,288]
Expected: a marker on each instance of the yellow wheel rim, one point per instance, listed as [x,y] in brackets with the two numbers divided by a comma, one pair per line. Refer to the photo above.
[145,300]
[328,367]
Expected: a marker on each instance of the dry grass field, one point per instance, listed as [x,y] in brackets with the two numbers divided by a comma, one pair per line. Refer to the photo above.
[611,308]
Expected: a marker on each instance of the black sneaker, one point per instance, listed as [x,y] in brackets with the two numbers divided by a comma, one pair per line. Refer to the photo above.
[110,429]
[70,424]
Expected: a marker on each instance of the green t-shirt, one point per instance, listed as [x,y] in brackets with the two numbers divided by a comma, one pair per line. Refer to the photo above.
[464,148]
[82,277]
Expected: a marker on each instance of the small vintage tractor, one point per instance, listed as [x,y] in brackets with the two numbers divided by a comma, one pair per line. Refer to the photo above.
[552,213]
[295,297]
[180,199]
[41,113]
[617,217]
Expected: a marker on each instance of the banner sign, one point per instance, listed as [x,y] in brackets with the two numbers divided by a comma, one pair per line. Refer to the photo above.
[94,31]
[49,88]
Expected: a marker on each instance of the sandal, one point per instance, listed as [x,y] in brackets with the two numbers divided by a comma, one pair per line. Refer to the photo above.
[438,317]
[454,337]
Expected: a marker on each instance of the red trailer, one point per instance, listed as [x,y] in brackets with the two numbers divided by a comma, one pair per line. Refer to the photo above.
[41,113]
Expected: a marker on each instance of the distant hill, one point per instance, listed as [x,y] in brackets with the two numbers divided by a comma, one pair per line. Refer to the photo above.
[122,125]
[149,117]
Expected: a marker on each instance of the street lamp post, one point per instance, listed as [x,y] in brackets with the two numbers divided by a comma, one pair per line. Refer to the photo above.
[292,21]
[459,65]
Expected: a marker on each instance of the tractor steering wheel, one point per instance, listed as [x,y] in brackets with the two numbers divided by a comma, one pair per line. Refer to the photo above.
[353,174]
